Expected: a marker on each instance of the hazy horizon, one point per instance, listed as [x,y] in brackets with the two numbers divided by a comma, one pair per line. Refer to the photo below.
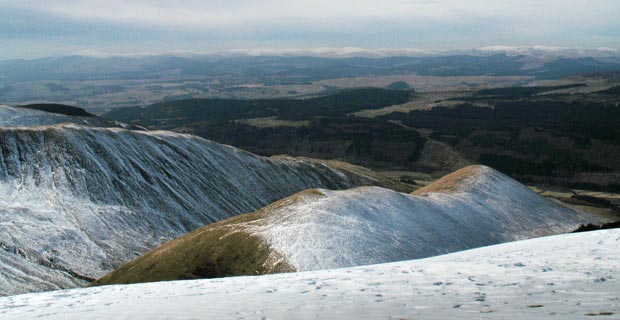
[339,52]
[33,29]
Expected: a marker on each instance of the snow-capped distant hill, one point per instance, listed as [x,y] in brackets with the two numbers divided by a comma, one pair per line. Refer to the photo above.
[572,276]
[320,229]
[558,52]
[77,201]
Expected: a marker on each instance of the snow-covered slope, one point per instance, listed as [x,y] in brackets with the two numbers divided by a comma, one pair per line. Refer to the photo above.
[320,229]
[373,225]
[76,202]
[572,276]
[12,117]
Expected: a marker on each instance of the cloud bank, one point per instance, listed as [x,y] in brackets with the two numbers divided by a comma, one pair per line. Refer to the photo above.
[158,25]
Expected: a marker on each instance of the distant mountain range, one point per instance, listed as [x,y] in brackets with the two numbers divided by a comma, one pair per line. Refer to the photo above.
[306,66]
[349,52]
[101,82]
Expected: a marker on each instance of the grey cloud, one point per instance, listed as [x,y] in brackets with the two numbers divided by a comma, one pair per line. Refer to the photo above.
[121,25]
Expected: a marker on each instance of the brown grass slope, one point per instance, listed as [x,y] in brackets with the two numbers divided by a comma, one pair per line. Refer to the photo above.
[450,182]
[222,249]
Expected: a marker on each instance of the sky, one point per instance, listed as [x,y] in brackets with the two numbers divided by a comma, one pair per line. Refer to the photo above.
[37,28]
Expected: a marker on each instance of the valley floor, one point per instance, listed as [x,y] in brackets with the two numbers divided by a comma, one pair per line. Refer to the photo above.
[564,277]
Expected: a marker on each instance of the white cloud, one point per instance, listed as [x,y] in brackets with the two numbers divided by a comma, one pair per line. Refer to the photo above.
[193,13]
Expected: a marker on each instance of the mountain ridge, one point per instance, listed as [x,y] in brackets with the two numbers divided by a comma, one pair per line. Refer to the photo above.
[320,229]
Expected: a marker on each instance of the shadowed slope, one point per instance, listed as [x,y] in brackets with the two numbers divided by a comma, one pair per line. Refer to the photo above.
[78,201]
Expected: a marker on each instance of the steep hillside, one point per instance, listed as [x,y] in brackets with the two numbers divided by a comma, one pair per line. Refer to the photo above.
[572,276]
[77,201]
[321,229]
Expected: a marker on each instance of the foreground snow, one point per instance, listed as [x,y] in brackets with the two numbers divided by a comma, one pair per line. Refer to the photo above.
[565,277]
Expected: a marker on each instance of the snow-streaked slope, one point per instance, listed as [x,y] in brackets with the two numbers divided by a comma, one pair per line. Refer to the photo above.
[334,229]
[570,276]
[320,229]
[83,200]
[20,117]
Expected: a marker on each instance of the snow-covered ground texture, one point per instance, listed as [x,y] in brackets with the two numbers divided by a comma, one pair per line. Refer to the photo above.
[15,117]
[571,276]
[76,201]
[473,207]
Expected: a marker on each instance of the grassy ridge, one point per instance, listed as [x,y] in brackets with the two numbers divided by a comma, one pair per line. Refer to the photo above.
[221,249]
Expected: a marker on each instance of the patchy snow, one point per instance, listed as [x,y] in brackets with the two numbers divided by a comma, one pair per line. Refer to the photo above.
[371,225]
[568,276]
[78,201]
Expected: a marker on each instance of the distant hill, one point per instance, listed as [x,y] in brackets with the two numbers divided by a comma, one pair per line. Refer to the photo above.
[399,85]
[295,69]
[321,229]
